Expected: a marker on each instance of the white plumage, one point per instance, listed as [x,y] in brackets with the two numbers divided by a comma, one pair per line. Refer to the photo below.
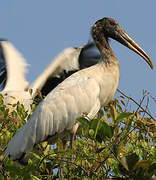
[13,70]
[84,92]
[16,66]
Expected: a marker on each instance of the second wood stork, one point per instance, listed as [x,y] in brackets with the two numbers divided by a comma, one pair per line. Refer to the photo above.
[13,67]
[84,92]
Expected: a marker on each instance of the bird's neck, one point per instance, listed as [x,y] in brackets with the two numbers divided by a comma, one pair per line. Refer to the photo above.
[107,55]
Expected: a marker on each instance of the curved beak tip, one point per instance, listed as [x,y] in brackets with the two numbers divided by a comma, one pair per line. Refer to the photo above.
[149,61]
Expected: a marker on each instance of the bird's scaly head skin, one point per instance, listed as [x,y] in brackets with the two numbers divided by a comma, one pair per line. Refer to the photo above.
[108,27]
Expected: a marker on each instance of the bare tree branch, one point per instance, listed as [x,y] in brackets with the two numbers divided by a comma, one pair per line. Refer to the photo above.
[130,98]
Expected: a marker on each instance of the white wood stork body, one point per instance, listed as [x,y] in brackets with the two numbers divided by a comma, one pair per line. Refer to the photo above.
[84,92]
[13,68]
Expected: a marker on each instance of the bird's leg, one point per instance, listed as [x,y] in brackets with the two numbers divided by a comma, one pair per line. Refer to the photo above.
[65,142]
[85,115]
[68,140]
[72,135]
[94,110]
[60,171]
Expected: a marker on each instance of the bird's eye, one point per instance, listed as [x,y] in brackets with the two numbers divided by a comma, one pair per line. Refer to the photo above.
[113,23]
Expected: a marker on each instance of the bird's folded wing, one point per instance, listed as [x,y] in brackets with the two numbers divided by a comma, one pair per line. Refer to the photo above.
[56,114]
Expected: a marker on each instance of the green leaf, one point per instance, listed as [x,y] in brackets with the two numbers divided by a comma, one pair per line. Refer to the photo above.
[83,121]
[105,130]
[129,161]
[33,107]
[15,113]
[123,115]
[35,155]
[34,177]
[5,113]
[113,112]
[2,108]
[20,107]
[101,129]
[91,132]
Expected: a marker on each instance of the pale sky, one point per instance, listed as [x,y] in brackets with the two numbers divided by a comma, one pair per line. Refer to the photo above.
[41,29]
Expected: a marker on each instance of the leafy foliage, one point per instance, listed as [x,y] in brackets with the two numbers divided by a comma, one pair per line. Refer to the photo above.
[116,144]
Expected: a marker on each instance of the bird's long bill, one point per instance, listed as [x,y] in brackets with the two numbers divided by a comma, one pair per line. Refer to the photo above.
[131,44]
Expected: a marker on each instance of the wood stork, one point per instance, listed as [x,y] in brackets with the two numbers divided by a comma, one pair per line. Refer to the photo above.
[84,92]
[13,68]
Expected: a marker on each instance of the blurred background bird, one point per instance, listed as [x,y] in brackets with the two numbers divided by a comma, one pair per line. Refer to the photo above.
[13,68]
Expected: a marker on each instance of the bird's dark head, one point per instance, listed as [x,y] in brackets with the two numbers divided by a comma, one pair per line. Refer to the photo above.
[108,27]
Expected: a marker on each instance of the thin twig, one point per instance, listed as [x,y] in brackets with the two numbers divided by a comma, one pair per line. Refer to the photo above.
[147,104]
[66,161]
[136,104]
